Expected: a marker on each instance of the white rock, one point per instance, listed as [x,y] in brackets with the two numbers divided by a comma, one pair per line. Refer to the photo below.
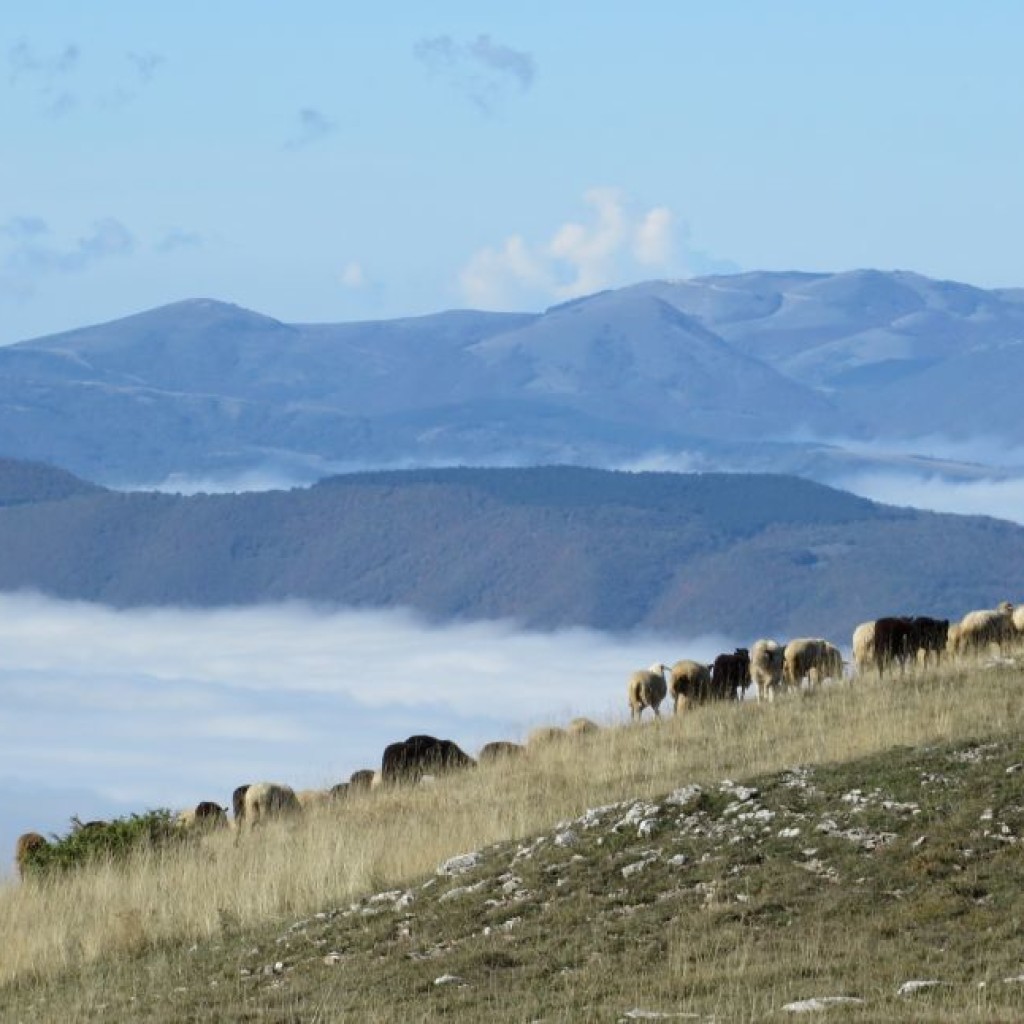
[638,1014]
[819,1003]
[788,833]
[634,869]
[460,864]
[646,828]
[684,796]
[908,988]
[449,979]
[566,838]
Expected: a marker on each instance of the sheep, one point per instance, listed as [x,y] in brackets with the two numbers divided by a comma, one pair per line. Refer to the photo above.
[730,675]
[688,680]
[980,629]
[953,638]
[1018,621]
[646,688]
[361,780]
[581,727]
[25,849]
[543,735]
[814,659]
[339,791]
[238,803]
[266,800]
[863,646]
[206,815]
[409,760]
[498,750]
[310,798]
[766,666]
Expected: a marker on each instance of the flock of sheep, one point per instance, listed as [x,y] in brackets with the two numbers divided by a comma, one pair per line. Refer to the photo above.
[879,645]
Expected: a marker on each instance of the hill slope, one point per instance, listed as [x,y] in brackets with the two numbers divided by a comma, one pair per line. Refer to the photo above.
[868,858]
[549,547]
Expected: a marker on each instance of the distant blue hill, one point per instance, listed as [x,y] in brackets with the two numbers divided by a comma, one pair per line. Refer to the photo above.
[752,372]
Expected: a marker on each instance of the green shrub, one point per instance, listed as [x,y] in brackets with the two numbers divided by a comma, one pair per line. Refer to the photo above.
[106,839]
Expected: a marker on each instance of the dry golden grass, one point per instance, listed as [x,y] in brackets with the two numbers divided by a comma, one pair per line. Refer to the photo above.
[384,838]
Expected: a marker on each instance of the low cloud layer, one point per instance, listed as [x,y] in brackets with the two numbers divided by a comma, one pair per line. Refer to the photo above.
[105,712]
[1003,499]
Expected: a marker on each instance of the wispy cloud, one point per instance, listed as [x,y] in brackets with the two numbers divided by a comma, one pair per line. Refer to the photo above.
[45,75]
[481,69]
[145,64]
[178,238]
[31,252]
[52,77]
[617,244]
[313,125]
[34,256]
[106,710]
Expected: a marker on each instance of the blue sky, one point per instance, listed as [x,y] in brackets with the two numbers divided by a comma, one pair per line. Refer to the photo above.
[323,161]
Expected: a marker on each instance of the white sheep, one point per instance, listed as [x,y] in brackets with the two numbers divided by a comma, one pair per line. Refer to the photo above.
[864,646]
[647,689]
[767,661]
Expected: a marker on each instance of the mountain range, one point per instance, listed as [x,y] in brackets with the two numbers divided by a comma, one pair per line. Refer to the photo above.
[794,372]
[546,547]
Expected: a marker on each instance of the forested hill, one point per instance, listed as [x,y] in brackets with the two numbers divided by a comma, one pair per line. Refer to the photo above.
[548,547]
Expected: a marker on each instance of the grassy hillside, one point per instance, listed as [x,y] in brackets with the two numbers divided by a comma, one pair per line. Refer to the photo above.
[553,547]
[870,837]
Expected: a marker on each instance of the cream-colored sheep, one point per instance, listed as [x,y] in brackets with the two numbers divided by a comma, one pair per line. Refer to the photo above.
[310,798]
[647,688]
[767,661]
[267,800]
[1018,622]
[864,647]
[688,681]
[497,750]
[979,630]
[813,659]
[545,734]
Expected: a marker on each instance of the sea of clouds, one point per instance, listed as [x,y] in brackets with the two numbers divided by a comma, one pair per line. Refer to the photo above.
[105,712]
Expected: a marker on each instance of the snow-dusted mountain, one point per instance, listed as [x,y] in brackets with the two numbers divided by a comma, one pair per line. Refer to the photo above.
[748,372]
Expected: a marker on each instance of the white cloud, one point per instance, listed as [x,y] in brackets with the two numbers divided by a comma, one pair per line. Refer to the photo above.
[653,243]
[105,711]
[617,245]
[353,276]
